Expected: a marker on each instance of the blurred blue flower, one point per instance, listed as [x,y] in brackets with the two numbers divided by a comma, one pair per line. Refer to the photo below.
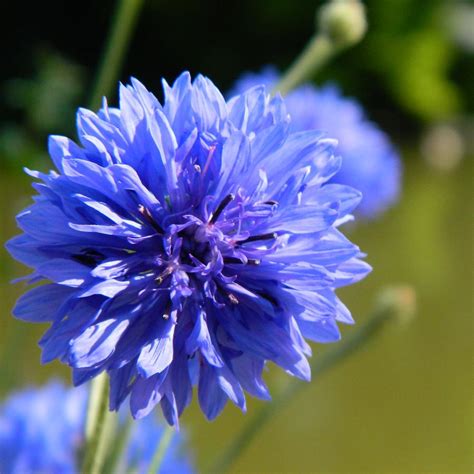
[187,244]
[370,163]
[42,430]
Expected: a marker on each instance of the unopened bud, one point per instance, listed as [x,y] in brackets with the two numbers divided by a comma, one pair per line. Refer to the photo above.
[343,22]
[399,301]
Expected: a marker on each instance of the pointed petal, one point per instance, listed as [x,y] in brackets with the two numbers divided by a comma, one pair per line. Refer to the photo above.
[42,303]
[199,339]
[96,343]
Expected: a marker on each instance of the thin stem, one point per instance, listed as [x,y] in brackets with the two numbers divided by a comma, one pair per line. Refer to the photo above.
[116,459]
[100,426]
[160,452]
[96,393]
[391,304]
[118,39]
[316,53]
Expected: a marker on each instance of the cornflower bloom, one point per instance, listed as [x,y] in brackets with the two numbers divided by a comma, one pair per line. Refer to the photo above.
[187,244]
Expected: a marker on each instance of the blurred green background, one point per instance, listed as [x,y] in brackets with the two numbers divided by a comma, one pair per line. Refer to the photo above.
[402,404]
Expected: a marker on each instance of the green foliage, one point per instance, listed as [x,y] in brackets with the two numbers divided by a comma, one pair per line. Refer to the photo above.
[49,97]
[421,82]
[414,55]
[45,104]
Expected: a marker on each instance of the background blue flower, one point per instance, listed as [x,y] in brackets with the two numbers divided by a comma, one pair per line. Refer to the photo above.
[187,243]
[370,163]
[42,430]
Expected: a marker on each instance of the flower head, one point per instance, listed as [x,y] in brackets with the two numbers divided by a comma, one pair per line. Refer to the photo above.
[369,161]
[187,244]
[42,430]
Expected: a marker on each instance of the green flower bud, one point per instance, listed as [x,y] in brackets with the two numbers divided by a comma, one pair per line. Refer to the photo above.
[343,22]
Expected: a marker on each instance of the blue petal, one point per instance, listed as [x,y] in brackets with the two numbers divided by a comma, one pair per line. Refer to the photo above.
[275,345]
[56,341]
[300,275]
[142,328]
[102,208]
[351,272]
[248,371]
[91,125]
[346,197]
[65,272]
[199,339]
[146,98]
[146,394]
[157,355]
[41,304]
[169,408]
[330,249]
[301,220]
[108,288]
[182,386]
[230,386]
[32,221]
[96,343]
[322,330]
[175,95]
[211,397]
[208,104]
[235,161]
[90,174]
[269,140]
[80,376]
[25,249]
[299,150]
[60,148]
[120,384]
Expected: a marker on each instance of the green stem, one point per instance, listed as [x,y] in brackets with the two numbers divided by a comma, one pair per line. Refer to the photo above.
[96,394]
[160,452]
[391,304]
[123,22]
[316,53]
[100,426]
[116,459]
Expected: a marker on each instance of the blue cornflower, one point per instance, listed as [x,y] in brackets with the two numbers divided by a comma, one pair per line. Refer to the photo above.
[370,163]
[187,244]
[42,430]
